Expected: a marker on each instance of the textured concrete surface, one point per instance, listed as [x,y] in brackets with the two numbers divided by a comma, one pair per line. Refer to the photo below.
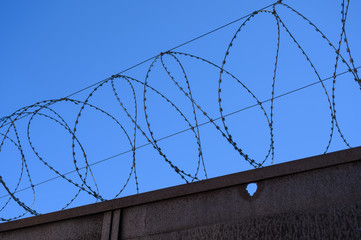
[80,228]
[327,224]
[313,198]
[279,205]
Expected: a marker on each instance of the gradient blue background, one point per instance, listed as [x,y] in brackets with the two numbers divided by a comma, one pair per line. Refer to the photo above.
[50,49]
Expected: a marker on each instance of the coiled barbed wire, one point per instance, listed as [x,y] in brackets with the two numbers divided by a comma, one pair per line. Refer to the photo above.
[86,181]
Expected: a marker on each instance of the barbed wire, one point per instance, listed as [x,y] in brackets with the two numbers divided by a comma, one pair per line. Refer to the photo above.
[187,129]
[145,129]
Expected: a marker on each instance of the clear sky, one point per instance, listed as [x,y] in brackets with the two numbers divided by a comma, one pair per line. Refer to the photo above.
[51,49]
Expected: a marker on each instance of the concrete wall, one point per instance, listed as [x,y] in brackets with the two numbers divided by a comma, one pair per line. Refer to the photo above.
[313,198]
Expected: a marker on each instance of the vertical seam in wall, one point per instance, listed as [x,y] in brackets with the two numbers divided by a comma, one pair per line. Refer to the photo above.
[107,224]
[115,227]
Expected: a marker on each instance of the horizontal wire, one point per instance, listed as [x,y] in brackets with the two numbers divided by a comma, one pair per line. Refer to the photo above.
[182,131]
[176,47]
[149,59]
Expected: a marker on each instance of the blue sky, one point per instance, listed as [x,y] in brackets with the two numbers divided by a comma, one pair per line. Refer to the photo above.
[52,49]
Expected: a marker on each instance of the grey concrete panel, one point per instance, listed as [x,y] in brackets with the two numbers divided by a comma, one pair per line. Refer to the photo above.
[81,228]
[334,223]
[315,191]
